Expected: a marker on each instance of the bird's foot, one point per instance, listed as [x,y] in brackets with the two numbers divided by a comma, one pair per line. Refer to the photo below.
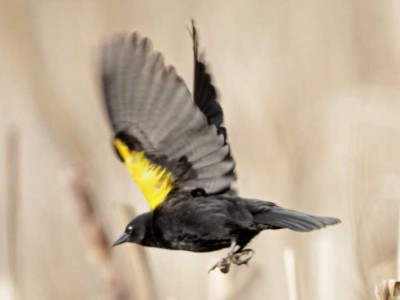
[242,257]
[223,265]
[238,258]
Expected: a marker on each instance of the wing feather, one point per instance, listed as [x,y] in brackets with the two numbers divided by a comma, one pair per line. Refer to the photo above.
[152,112]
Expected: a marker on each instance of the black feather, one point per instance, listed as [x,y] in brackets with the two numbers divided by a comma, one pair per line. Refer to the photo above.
[279,217]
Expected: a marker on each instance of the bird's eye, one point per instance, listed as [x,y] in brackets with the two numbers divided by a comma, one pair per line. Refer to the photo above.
[129,229]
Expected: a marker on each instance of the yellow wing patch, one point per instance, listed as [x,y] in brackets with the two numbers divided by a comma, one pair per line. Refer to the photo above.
[154,181]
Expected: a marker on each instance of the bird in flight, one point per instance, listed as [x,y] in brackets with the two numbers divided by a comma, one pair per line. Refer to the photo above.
[175,146]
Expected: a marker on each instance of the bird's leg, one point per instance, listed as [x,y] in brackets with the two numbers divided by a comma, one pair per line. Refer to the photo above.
[225,263]
[235,256]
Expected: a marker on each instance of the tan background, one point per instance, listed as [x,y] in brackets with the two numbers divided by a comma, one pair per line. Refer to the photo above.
[312,103]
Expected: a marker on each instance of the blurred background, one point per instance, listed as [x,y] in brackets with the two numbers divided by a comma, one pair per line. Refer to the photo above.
[311,96]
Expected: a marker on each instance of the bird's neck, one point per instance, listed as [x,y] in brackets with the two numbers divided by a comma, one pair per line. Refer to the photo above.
[148,236]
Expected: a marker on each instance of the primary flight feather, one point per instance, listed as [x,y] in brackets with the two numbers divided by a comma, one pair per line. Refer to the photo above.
[175,147]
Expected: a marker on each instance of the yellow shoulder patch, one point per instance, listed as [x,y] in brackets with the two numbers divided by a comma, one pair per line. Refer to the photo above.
[154,181]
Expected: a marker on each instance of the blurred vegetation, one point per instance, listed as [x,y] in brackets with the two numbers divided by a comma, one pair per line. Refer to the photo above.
[311,96]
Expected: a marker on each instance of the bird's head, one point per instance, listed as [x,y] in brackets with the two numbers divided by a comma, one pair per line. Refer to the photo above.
[135,231]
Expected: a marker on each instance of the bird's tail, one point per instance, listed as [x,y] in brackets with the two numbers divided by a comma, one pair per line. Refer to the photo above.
[278,217]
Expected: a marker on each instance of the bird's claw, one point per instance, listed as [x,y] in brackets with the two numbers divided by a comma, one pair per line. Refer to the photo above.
[235,258]
[223,265]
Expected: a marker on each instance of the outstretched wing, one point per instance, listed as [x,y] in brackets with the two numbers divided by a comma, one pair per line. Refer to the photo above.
[205,96]
[165,139]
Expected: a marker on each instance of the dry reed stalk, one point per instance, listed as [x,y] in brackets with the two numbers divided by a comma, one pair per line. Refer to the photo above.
[291,274]
[12,208]
[145,287]
[98,245]
[388,290]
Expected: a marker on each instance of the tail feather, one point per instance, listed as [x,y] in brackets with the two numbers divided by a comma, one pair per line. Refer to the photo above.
[278,217]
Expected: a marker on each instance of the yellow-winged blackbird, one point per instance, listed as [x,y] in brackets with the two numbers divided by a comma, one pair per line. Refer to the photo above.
[175,147]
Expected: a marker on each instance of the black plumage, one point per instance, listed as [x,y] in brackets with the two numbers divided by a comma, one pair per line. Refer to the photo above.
[182,143]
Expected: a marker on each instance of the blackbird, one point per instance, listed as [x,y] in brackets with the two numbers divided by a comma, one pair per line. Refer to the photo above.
[175,146]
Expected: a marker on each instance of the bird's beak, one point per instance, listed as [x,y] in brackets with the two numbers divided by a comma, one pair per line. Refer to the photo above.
[122,239]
